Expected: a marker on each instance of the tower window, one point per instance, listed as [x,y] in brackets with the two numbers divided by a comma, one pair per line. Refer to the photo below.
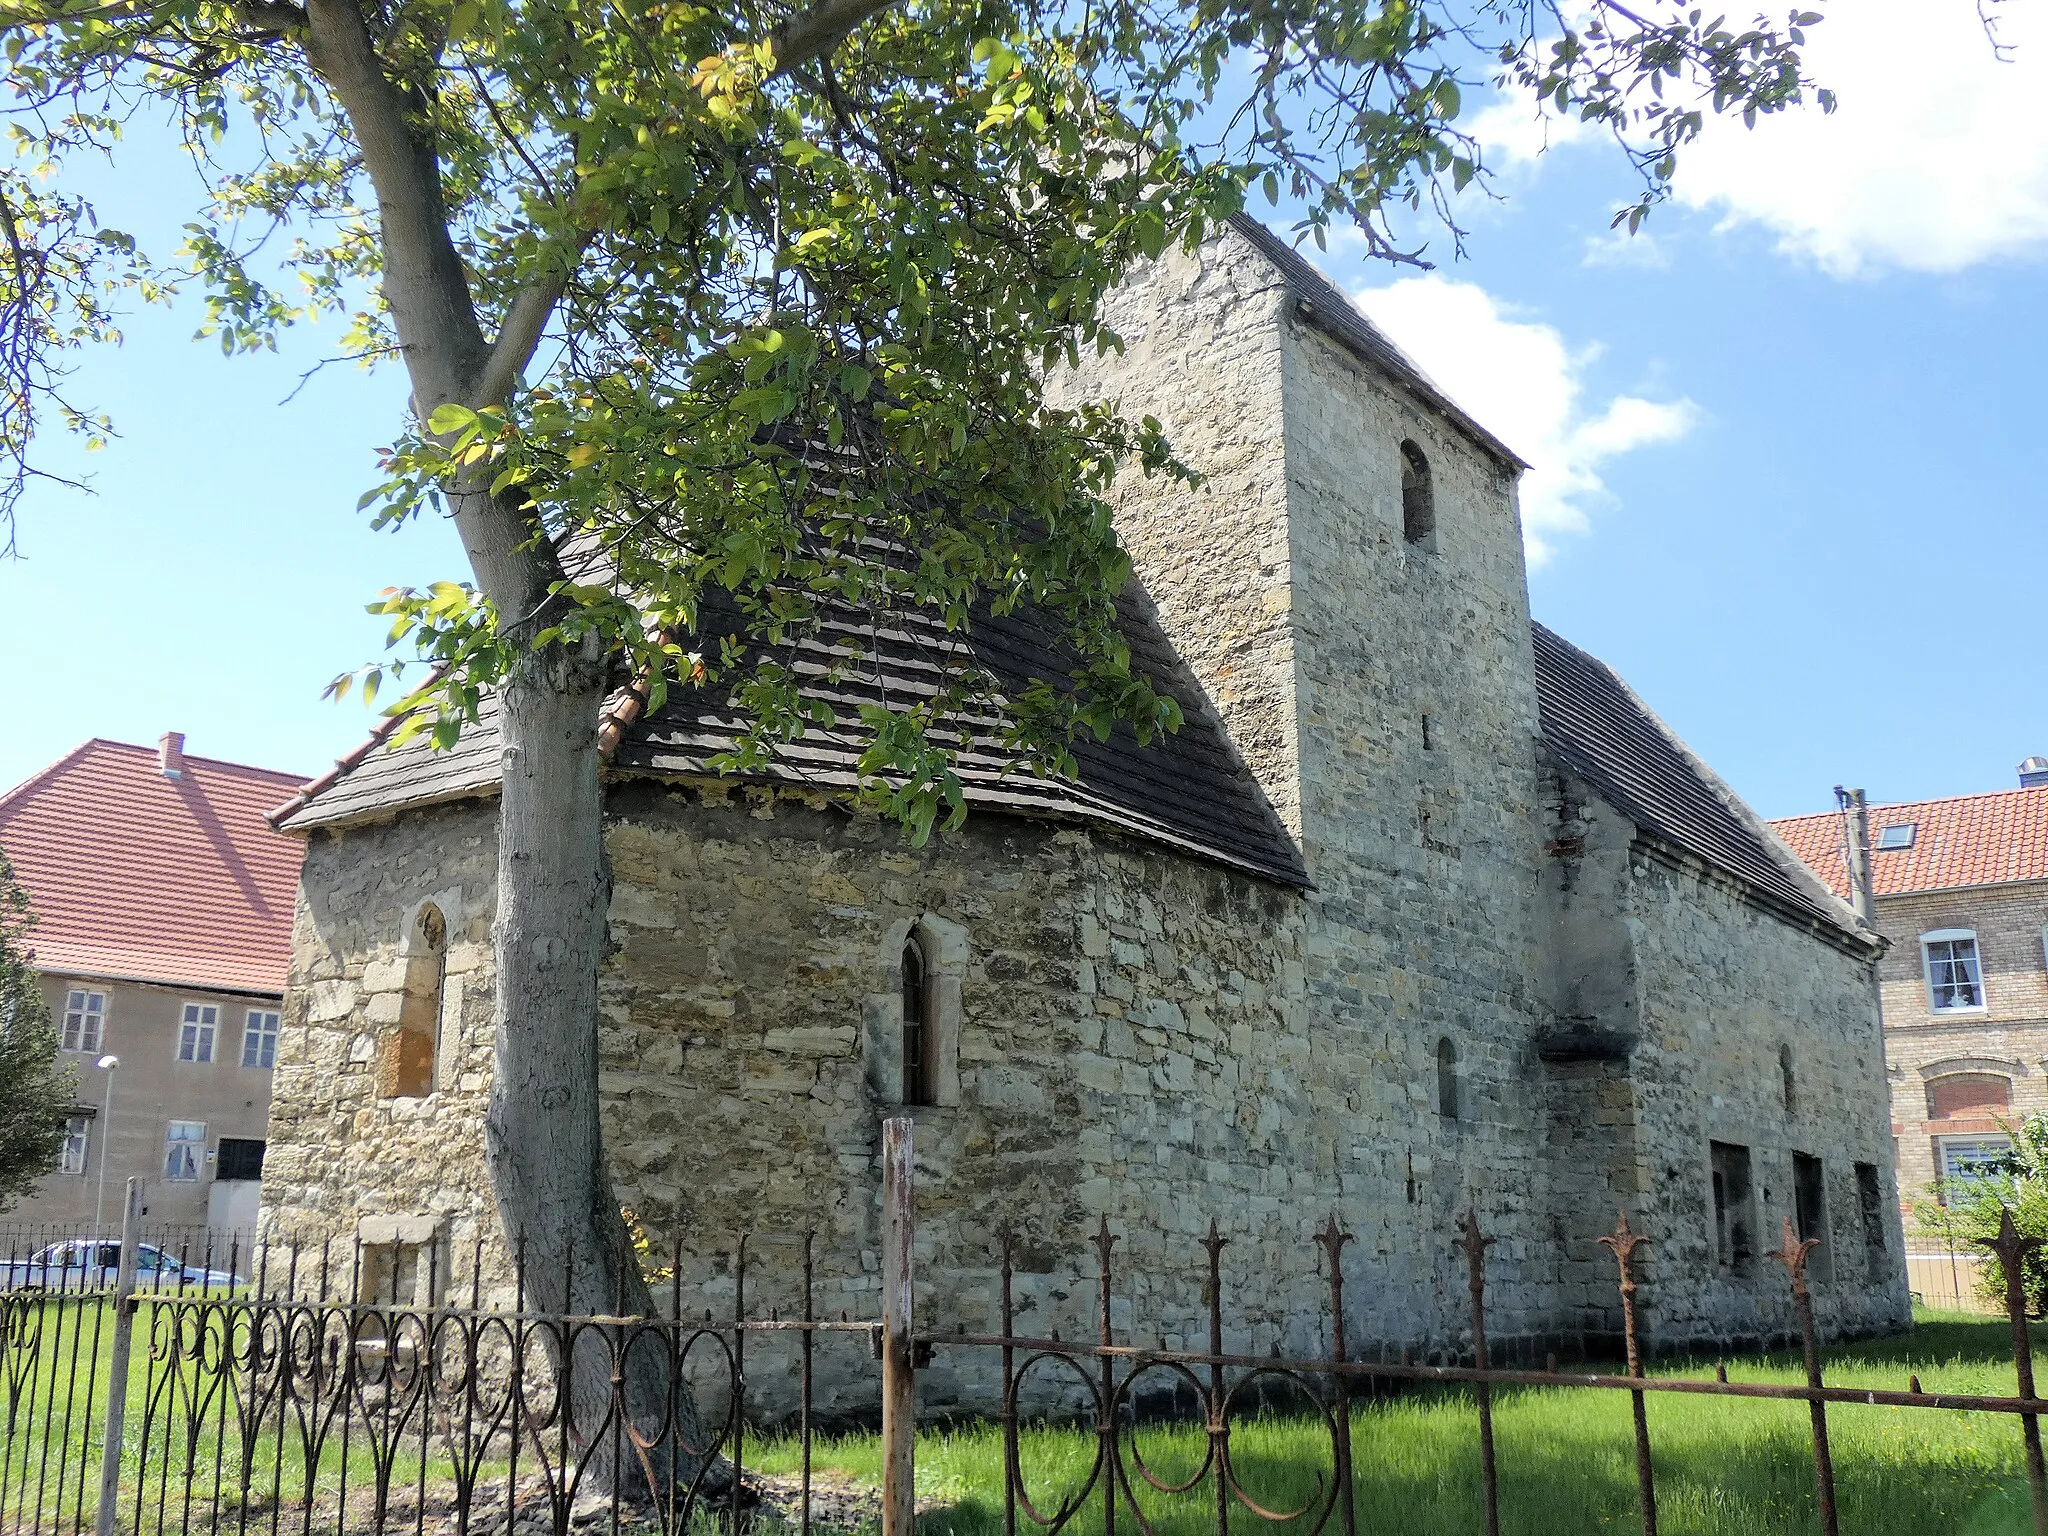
[1418,497]
[1789,1082]
[1447,1096]
[917,1033]
[406,1066]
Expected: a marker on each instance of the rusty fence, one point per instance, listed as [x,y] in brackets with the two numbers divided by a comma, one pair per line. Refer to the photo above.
[279,1393]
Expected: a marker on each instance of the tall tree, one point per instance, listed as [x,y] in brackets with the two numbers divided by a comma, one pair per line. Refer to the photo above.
[749,302]
[35,1092]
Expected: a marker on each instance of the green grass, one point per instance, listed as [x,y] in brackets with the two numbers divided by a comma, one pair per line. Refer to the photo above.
[1725,1467]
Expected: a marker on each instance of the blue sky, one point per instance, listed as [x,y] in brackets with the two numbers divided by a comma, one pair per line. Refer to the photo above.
[1787,450]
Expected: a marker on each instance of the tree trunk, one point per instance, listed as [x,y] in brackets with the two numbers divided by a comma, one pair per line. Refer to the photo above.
[542,1140]
[543,1136]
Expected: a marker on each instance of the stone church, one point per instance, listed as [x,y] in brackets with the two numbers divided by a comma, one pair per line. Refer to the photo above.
[1422,911]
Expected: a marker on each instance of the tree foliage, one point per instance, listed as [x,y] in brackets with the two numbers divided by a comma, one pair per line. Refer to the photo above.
[795,277]
[35,1092]
[1965,1213]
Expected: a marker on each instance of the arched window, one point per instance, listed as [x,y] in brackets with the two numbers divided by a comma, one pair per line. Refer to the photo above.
[407,1066]
[1418,497]
[1447,1079]
[917,1021]
[1789,1083]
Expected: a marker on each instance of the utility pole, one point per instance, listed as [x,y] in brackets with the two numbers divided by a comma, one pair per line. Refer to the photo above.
[107,1064]
[1856,836]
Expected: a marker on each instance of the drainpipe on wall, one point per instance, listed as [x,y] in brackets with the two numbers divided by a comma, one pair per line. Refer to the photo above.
[1856,833]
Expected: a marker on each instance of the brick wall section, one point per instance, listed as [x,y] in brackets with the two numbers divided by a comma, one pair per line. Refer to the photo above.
[2010,1036]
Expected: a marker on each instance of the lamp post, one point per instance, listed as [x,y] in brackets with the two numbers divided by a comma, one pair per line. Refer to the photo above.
[106,1064]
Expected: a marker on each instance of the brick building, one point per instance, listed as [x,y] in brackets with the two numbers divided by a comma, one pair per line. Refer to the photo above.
[1961,891]
[1423,911]
[163,907]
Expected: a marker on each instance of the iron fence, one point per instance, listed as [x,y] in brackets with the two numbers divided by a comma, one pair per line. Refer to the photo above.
[289,1404]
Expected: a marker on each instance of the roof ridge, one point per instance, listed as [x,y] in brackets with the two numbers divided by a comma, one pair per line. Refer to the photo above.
[43,773]
[1800,881]
[1357,330]
[1907,805]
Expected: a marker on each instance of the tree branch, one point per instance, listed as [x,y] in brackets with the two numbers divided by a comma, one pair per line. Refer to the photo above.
[525,322]
[424,282]
[809,33]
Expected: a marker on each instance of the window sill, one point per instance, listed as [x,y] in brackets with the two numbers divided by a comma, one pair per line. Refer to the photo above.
[1975,1011]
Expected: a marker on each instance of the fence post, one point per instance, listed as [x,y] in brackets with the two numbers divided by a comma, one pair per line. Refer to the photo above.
[2013,1252]
[899,1367]
[117,1370]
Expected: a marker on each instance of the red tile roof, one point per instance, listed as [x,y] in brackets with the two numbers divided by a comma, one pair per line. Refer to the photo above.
[136,876]
[1965,840]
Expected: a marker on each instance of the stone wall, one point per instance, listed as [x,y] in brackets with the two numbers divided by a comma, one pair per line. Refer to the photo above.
[1494,998]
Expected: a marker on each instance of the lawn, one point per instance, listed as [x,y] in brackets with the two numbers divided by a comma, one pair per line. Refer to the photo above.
[1725,1467]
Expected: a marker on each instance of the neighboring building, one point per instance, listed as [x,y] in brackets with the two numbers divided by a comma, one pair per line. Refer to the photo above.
[1961,888]
[1421,912]
[163,907]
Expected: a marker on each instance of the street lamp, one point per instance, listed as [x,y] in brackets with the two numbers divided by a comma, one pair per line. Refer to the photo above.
[106,1064]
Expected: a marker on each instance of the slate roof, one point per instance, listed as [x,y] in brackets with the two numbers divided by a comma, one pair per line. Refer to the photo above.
[1330,310]
[1597,727]
[135,876]
[1963,840]
[1188,791]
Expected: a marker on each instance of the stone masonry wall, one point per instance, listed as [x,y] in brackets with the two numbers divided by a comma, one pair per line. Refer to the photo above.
[1142,1037]
[1325,640]
[1728,990]
[1134,1045]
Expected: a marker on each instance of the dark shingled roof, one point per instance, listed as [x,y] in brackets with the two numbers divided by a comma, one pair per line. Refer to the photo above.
[1331,311]
[1187,791]
[1597,727]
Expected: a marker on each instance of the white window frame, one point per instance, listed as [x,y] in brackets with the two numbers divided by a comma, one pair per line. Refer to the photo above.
[198,1032]
[260,1029]
[83,1007]
[193,1148]
[1943,1145]
[1952,936]
[75,1155]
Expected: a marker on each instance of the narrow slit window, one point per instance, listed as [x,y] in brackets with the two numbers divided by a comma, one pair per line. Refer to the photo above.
[917,1077]
[1734,1207]
[1418,496]
[1870,1202]
[1447,1094]
[1787,1081]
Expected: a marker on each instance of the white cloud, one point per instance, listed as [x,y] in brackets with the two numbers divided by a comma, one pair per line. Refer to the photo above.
[1936,159]
[1514,130]
[1523,381]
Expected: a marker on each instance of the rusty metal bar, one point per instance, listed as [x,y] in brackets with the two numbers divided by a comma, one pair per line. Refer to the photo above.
[1624,1243]
[1793,1255]
[1482,1387]
[1011,1471]
[899,1369]
[1106,1413]
[2013,1252]
[1332,1239]
[808,1343]
[1219,1421]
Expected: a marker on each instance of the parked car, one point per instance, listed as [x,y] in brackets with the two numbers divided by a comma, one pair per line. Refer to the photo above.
[87,1264]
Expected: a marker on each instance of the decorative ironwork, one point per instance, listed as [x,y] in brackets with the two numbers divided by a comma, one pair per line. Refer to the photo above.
[311,1394]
